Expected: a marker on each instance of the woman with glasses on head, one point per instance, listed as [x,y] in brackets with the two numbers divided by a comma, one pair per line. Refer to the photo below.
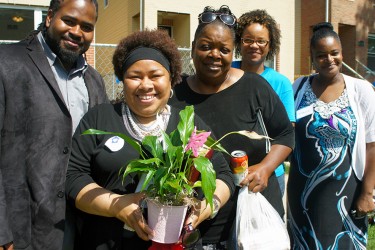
[229,99]
[258,40]
[332,174]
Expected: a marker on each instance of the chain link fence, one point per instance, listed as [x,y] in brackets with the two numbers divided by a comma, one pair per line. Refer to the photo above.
[103,64]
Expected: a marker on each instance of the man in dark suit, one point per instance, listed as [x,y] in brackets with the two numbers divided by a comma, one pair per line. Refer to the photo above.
[45,88]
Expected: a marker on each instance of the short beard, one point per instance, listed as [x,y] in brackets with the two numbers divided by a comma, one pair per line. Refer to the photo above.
[67,57]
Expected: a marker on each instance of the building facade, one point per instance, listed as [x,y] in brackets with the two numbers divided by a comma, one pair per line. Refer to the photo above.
[118,18]
[353,20]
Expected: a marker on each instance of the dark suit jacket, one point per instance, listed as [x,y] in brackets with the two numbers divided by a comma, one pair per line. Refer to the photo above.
[35,143]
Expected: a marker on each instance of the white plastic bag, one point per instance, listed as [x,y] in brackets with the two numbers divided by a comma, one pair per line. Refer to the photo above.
[258,224]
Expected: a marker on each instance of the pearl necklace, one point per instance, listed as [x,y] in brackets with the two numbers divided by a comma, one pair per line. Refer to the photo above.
[138,130]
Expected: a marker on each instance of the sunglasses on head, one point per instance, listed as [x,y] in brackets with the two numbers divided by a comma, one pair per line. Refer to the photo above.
[209,17]
[189,236]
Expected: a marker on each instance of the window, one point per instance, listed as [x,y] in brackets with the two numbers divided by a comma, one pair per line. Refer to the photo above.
[167,28]
[16,23]
[106,3]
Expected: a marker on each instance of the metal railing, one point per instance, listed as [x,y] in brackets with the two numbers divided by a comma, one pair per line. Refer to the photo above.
[367,72]
[353,71]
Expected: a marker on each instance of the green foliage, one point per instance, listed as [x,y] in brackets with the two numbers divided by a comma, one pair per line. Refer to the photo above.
[371,237]
[167,164]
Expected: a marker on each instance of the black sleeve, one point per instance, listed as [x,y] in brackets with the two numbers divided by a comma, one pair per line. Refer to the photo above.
[275,117]
[278,125]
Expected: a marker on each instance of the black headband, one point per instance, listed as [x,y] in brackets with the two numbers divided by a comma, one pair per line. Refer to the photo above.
[146,53]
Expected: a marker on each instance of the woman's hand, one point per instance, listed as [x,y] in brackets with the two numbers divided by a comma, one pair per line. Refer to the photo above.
[258,174]
[256,179]
[199,212]
[364,204]
[202,210]
[128,210]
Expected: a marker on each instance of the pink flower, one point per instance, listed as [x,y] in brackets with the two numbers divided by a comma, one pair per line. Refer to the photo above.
[196,141]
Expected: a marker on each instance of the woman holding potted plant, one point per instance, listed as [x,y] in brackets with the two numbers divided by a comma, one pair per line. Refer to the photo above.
[149,65]
[229,99]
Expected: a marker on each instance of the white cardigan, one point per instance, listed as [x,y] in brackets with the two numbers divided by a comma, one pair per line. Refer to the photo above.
[362,100]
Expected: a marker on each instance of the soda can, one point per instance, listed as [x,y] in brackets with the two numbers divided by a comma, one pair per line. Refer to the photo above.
[239,165]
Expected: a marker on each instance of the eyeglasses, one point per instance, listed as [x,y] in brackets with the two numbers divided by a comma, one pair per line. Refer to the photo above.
[189,236]
[249,41]
[209,17]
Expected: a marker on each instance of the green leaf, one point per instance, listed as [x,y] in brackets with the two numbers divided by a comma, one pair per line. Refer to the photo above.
[217,146]
[129,140]
[148,179]
[181,176]
[186,124]
[197,184]
[208,177]
[171,156]
[138,166]
[179,158]
[174,184]
[170,150]
[166,140]
[160,177]
[175,138]
[153,145]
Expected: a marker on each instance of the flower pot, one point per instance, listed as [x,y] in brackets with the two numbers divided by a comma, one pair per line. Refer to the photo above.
[166,221]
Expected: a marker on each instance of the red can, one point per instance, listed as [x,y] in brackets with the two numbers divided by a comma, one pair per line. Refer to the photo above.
[239,165]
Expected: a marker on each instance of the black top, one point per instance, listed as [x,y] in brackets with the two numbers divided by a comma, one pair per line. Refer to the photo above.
[234,109]
[92,161]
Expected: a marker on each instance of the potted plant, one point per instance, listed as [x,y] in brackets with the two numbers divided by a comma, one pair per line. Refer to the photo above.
[169,165]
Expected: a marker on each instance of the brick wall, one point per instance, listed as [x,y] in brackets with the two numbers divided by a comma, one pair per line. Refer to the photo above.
[351,19]
[90,56]
[312,12]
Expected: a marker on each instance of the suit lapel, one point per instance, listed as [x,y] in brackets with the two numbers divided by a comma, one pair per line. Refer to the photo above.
[39,58]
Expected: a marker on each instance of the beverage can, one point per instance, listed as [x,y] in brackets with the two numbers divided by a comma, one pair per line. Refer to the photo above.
[239,165]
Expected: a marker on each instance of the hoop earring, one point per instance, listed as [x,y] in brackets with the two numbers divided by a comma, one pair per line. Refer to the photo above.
[171,94]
